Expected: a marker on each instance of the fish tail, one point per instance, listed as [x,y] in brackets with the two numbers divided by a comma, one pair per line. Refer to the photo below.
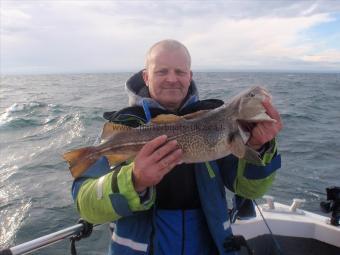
[80,160]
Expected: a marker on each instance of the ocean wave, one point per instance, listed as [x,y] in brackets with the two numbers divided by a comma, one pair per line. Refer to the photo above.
[18,107]
[12,116]
[21,115]
[289,116]
[12,217]
[13,209]
[67,128]
[52,139]
[18,123]
[6,171]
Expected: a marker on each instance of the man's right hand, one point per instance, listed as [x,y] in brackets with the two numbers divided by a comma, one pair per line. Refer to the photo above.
[154,160]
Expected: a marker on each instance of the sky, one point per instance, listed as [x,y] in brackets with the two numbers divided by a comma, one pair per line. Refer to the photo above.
[65,36]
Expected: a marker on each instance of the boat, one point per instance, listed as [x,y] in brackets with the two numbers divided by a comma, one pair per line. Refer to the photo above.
[288,230]
[274,229]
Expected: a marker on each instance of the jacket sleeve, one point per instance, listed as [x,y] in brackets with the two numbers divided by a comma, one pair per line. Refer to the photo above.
[103,195]
[248,180]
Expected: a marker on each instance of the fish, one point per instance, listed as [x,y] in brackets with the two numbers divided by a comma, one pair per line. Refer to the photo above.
[203,136]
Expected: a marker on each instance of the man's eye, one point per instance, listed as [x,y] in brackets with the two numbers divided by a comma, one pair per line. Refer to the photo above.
[179,72]
[161,72]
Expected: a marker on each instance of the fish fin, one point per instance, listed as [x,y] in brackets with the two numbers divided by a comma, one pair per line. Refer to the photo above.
[166,118]
[195,115]
[240,150]
[80,160]
[237,146]
[170,118]
[118,158]
[252,156]
[111,128]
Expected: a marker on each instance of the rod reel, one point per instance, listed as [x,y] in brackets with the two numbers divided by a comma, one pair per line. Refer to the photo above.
[332,205]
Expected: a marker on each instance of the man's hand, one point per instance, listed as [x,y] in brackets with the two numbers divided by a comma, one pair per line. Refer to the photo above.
[155,160]
[265,131]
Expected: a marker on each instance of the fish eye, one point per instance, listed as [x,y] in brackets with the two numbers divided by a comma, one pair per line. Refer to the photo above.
[251,94]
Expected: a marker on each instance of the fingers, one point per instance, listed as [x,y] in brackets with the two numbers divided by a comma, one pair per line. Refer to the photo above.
[151,146]
[155,160]
[163,150]
[171,160]
[265,131]
[262,133]
[258,137]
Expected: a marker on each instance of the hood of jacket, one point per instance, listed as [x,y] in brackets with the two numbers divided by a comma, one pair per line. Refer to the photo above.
[138,93]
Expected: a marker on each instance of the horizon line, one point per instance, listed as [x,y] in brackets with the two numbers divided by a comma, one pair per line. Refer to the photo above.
[213,70]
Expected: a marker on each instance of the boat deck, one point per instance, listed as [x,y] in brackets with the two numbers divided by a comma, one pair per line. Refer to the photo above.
[297,232]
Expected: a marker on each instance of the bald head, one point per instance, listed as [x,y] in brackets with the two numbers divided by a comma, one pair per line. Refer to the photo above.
[167,73]
[167,45]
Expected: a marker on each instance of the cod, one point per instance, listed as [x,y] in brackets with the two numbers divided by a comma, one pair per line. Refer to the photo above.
[203,136]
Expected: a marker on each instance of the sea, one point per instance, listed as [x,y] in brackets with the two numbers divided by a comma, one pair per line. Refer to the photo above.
[43,116]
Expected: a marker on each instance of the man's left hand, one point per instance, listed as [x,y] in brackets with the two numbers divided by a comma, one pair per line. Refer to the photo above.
[264,132]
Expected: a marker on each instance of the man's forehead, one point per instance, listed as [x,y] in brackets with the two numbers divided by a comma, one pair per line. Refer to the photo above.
[169,52]
[162,55]
[163,49]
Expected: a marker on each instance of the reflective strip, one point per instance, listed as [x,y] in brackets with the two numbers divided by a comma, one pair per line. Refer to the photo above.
[226,224]
[130,243]
[100,187]
[210,169]
[253,172]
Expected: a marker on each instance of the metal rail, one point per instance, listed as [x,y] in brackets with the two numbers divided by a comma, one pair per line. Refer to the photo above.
[43,241]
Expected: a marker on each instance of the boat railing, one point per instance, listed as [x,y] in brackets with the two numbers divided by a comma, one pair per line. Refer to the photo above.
[81,230]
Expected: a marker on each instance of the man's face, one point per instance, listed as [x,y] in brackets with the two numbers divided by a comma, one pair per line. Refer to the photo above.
[168,77]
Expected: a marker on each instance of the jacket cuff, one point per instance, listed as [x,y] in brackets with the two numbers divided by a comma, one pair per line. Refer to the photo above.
[270,152]
[94,202]
[127,189]
[266,153]
[253,181]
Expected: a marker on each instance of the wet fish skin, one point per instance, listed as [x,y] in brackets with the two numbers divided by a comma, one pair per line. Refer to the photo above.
[202,136]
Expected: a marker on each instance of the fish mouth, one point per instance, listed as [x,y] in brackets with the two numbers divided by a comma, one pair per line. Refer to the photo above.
[245,128]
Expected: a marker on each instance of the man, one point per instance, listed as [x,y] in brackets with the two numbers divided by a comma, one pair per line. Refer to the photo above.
[158,204]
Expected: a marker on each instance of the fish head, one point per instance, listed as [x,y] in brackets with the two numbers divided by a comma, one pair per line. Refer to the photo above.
[249,110]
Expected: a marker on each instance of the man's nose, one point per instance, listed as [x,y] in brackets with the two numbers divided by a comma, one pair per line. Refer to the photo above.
[171,77]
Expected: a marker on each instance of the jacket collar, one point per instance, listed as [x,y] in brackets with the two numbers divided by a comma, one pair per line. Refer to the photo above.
[138,93]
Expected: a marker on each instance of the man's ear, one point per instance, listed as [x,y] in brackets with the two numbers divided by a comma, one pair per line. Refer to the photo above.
[146,77]
[191,74]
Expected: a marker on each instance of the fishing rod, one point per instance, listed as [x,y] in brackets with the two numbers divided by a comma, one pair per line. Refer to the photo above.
[234,214]
[81,230]
[276,243]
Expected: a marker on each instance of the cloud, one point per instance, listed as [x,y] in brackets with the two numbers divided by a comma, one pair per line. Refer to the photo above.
[261,37]
[327,56]
[14,20]
[78,36]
